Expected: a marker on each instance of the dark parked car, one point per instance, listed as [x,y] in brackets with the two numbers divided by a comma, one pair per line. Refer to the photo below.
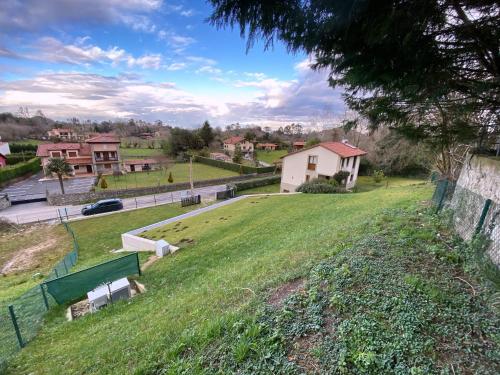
[106,205]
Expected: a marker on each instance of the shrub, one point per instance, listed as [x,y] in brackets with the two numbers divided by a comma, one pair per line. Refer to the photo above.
[232,166]
[340,176]
[104,184]
[250,184]
[378,176]
[320,187]
[19,158]
[10,172]
[170,178]
[22,147]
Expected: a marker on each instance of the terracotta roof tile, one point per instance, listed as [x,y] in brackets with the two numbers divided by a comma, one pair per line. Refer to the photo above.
[104,138]
[140,161]
[44,148]
[345,150]
[234,140]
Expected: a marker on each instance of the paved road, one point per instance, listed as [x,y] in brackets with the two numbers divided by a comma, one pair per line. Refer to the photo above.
[40,211]
[32,187]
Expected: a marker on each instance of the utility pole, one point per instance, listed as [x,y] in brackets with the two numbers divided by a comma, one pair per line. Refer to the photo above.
[191,174]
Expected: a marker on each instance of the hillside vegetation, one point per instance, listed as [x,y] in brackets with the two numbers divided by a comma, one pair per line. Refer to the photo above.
[224,304]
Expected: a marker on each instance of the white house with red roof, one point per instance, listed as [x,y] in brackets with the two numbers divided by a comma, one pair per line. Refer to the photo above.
[99,154]
[320,161]
[231,143]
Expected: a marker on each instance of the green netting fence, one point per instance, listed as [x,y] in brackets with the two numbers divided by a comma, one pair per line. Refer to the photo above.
[471,214]
[75,285]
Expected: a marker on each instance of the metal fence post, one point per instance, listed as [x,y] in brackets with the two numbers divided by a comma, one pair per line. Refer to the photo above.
[441,200]
[45,301]
[480,223]
[57,274]
[138,265]
[65,266]
[16,327]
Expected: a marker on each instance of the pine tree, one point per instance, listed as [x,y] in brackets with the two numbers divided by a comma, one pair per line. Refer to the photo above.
[170,178]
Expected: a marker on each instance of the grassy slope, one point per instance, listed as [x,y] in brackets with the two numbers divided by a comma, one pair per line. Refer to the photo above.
[366,183]
[274,188]
[270,156]
[180,173]
[240,250]
[13,284]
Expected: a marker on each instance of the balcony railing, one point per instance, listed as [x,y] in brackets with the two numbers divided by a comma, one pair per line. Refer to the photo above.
[311,166]
[106,159]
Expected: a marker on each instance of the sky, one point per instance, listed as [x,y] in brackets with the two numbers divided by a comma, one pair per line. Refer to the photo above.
[152,60]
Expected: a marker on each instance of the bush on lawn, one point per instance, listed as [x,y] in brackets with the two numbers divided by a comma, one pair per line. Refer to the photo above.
[22,147]
[233,166]
[321,187]
[104,184]
[19,158]
[341,176]
[170,178]
[378,176]
[250,184]
[10,172]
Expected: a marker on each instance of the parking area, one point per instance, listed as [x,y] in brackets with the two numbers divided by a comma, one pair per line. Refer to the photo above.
[33,188]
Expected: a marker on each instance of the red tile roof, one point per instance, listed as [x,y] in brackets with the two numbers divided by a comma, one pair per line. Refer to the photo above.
[44,148]
[234,140]
[299,143]
[103,138]
[344,150]
[267,145]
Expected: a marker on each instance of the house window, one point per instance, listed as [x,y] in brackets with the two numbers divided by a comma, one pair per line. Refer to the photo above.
[76,167]
[72,154]
[351,178]
[55,154]
[307,177]
[342,163]
[354,161]
[312,160]
[107,166]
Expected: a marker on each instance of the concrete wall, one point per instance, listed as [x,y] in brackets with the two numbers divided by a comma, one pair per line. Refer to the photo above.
[481,175]
[479,180]
[131,242]
[81,198]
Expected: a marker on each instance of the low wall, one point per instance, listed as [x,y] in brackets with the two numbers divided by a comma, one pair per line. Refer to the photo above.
[81,198]
[476,202]
[135,243]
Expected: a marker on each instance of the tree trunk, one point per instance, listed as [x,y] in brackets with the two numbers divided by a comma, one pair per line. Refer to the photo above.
[60,177]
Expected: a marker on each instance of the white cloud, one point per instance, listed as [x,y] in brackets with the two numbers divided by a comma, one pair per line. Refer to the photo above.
[53,50]
[209,69]
[306,99]
[32,15]
[176,66]
[175,40]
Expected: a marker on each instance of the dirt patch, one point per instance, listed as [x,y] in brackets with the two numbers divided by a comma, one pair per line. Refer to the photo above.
[301,353]
[149,262]
[185,242]
[26,258]
[279,295]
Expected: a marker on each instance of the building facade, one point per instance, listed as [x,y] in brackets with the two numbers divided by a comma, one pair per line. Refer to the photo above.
[232,143]
[100,154]
[323,160]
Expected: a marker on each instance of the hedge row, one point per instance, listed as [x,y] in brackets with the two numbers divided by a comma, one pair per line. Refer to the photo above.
[18,170]
[20,147]
[19,158]
[245,169]
[250,184]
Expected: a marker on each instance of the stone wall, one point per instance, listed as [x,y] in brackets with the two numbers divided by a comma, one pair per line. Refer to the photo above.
[4,201]
[479,182]
[81,198]
[481,175]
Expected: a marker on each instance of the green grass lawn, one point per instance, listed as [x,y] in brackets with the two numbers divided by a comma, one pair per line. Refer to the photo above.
[274,188]
[366,183]
[270,156]
[196,296]
[130,153]
[180,173]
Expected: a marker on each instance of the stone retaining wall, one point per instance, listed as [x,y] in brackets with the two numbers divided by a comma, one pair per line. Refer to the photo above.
[81,198]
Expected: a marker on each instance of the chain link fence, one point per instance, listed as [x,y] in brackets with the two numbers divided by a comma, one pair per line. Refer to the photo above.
[21,318]
[472,214]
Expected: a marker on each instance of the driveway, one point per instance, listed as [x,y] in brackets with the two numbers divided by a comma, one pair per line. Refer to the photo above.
[33,188]
[40,211]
